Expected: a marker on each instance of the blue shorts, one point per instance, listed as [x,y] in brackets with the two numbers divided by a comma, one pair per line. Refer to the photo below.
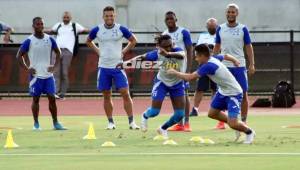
[38,86]
[240,74]
[107,75]
[186,85]
[230,103]
[204,83]
[160,90]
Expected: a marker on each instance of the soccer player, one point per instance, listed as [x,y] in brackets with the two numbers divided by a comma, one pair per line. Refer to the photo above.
[110,36]
[229,93]
[182,38]
[204,83]
[169,57]
[231,38]
[35,56]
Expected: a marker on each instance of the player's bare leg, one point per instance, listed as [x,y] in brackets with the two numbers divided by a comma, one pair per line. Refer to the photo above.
[244,108]
[127,103]
[187,127]
[184,124]
[197,100]
[108,108]
[52,107]
[178,104]
[53,111]
[35,112]
[233,123]
[150,112]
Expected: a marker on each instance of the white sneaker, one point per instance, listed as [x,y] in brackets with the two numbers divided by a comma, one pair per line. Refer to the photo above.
[56,96]
[237,135]
[250,138]
[144,124]
[133,126]
[111,126]
[162,132]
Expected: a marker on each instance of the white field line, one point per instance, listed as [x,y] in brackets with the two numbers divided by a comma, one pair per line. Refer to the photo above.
[158,154]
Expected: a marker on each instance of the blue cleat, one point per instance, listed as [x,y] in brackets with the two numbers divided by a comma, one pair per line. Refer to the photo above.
[58,126]
[36,126]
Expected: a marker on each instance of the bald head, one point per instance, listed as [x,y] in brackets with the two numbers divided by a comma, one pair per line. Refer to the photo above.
[67,17]
[211,25]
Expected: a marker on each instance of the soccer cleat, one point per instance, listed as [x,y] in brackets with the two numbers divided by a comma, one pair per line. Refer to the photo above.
[194,112]
[162,132]
[177,127]
[111,126]
[250,138]
[58,126]
[187,127]
[144,124]
[36,127]
[62,97]
[56,96]
[133,126]
[237,135]
[220,125]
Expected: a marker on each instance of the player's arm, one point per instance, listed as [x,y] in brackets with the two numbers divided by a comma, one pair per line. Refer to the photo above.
[130,37]
[217,47]
[189,49]
[22,57]
[250,55]
[57,52]
[177,54]
[151,56]
[131,44]
[80,29]
[249,51]
[89,41]
[184,76]
[229,57]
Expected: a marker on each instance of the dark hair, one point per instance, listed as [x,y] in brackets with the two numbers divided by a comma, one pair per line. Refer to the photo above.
[163,37]
[203,49]
[171,13]
[36,18]
[108,8]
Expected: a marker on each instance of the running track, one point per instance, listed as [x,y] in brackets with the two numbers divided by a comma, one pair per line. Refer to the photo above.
[88,106]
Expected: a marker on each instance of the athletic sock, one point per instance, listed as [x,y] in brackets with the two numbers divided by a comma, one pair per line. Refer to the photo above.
[186,120]
[110,120]
[248,131]
[244,118]
[130,119]
[177,116]
[151,112]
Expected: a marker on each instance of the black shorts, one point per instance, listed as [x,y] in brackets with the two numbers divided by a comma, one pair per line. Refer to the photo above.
[204,84]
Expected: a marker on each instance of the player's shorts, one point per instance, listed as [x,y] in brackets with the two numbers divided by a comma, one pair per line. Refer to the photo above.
[160,90]
[240,74]
[204,83]
[230,103]
[106,76]
[38,86]
[186,85]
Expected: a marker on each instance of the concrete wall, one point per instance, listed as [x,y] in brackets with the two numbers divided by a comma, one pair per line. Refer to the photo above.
[142,15]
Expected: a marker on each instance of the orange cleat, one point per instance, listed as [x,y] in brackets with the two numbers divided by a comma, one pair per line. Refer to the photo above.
[220,125]
[187,127]
[177,127]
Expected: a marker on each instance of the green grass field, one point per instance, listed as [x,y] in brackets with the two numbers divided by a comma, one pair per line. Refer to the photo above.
[50,149]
